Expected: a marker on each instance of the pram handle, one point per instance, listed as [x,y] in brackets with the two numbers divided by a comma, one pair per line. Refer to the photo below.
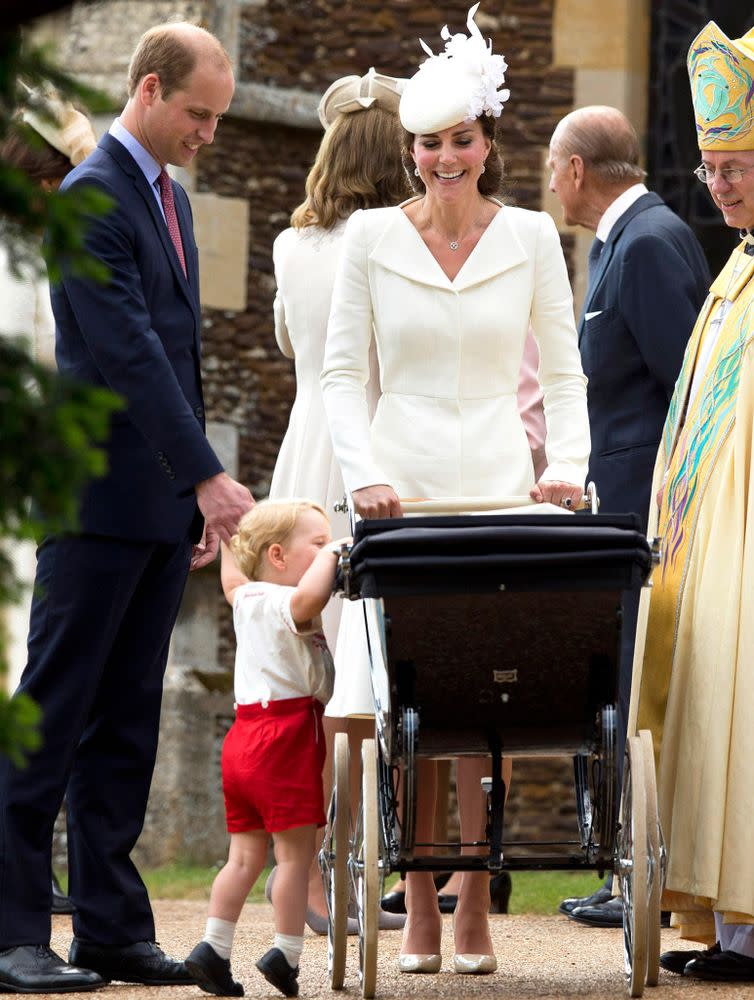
[467,505]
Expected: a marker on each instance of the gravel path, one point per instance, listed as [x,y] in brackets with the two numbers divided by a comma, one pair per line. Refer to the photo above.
[543,957]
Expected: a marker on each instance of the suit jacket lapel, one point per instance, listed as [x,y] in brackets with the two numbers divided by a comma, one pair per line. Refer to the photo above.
[127,163]
[641,204]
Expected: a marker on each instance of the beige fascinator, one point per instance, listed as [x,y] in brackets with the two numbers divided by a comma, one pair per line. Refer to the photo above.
[356,93]
[66,129]
[460,84]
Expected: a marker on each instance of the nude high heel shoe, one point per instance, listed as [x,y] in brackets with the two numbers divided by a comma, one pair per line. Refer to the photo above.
[426,964]
[474,965]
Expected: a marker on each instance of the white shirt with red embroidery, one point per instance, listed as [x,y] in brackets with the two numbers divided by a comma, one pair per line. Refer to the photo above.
[274,658]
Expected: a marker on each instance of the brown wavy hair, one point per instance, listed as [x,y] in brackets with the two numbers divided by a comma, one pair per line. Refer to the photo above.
[490,183]
[358,165]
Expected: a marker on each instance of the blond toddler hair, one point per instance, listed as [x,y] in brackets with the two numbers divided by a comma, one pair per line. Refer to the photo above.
[268,523]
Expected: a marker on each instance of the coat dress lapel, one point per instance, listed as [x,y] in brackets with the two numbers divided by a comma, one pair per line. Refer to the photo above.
[401,249]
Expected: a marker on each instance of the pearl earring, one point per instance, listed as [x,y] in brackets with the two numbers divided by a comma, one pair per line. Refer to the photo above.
[483,168]
[416,171]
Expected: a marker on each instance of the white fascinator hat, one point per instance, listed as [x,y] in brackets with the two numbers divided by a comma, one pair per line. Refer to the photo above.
[350,94]
[460,84]
[59,124]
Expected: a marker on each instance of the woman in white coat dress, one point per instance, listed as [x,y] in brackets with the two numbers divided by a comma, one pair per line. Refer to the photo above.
[358,165]
[446,285]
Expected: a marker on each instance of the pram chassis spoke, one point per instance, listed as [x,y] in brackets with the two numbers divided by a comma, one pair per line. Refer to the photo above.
[365,867]
[333,863]
[655,858]
[632,867]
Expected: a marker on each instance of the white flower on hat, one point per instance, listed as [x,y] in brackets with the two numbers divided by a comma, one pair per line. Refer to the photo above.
[473,56]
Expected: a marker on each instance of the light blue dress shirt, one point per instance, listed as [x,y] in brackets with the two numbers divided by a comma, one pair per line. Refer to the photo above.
[145,161]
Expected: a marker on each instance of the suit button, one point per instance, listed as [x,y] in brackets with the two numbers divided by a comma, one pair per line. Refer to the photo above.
[199,412]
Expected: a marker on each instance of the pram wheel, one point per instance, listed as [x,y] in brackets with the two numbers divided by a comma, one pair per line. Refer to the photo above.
[656,851]
[365,870]
[632,867]
[333,863]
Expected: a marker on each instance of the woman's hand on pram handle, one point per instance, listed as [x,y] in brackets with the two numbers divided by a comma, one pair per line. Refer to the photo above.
[377,501]
[559,493]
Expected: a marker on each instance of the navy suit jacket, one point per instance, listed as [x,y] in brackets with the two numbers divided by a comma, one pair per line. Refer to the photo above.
[138,335]
[649,284]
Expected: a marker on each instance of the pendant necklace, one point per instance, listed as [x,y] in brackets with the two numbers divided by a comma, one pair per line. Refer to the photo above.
[452,244]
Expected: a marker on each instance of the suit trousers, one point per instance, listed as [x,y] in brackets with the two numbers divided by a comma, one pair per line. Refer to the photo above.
[101,619]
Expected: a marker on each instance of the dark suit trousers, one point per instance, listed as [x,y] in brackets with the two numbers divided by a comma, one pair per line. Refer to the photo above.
[98,645]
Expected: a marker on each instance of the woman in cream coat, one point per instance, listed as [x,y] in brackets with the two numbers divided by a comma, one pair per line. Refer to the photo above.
[446,286]
[358,165]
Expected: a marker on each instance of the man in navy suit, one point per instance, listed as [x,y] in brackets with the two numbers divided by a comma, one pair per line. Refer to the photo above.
[107,596]
[648,278]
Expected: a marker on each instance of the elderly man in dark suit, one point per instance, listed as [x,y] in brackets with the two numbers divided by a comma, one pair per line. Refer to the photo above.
[107,596]
[647,280]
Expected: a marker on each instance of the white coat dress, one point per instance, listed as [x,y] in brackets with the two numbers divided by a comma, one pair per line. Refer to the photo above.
[305,262]
[447,422]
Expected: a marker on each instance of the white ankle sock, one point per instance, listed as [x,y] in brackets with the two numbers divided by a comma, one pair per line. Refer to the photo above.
[291,946]
[219,934]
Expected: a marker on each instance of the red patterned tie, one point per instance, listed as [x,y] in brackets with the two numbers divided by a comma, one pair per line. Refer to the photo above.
[168,204]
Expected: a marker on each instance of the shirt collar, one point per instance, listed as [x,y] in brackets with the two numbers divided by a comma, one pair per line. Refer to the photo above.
[614,211]
[145,161]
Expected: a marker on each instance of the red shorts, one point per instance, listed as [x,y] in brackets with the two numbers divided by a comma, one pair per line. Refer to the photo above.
[272,766]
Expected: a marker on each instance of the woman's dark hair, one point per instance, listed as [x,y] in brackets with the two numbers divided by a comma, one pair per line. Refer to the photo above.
[40,162]
[490,183]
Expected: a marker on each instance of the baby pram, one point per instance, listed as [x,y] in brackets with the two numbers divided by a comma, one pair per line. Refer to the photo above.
[495,634]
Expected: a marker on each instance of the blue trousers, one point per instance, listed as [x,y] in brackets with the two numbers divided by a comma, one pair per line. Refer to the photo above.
[101,619]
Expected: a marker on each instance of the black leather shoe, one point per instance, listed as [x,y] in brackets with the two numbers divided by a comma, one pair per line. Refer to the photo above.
[609,914]
[212,972]
[676,961]
[144,962]
[724,967]
[602,895]
[60,902]
[394,902]
[274,967]
[447,903]
[35,968]
[500,892]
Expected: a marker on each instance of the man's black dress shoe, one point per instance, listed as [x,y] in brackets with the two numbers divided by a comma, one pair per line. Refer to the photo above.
[60,902]
[35,968]
[676,961]
[212,972]
[395,901]
[144,962]
[602,895]
[608,914]
[724,967]
[274,967]
[500,892]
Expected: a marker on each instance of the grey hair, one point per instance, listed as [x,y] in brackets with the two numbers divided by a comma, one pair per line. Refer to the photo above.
[605,140]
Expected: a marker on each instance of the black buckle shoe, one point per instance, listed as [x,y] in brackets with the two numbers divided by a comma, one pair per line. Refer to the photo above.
[212,972]
[676,961]
[724,967]
[602,895]
[36,968]
[143,962]
[274,967]
[609,914]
